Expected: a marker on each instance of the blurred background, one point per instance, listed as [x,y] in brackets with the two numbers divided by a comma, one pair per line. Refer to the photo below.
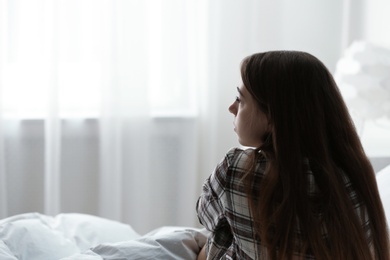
[119,108]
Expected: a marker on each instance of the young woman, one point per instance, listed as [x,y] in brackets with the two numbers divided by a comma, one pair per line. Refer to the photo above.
[306,189]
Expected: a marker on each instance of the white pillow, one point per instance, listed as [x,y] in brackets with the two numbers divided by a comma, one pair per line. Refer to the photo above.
[87,230]
[36,236]
[5,253]
[383,180]
[163,243]
[33,239]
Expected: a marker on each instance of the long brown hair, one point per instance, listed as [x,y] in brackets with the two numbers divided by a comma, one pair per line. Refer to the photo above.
[310,121]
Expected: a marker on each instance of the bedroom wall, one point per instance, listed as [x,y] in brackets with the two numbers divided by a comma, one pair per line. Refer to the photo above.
[377,22]
[375,28]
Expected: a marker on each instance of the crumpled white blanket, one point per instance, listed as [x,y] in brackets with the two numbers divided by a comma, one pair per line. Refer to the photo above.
[383,180]
[79,236]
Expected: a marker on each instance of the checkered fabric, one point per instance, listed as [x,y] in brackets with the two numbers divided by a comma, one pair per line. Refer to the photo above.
[223,208]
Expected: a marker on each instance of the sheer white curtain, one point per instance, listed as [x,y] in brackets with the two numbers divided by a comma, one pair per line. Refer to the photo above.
[119,108]
[3,180]
[99,106]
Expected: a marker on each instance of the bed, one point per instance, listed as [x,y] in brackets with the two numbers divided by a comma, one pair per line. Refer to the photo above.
[79,236]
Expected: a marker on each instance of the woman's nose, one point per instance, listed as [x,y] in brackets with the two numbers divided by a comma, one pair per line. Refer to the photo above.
[232,108]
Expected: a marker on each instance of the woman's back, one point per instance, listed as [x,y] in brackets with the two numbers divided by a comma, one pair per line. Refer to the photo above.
[234,234]
[315,193]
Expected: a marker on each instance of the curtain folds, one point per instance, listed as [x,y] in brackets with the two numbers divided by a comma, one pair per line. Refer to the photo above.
[3,172]
[52,121]
[119,108]
[109,124]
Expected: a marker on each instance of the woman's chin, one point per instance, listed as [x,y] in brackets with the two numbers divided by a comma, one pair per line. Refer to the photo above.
[248,144]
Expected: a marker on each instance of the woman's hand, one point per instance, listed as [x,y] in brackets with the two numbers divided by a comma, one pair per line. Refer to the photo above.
[202,254]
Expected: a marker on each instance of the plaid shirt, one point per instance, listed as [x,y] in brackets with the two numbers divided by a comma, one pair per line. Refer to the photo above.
[223,208]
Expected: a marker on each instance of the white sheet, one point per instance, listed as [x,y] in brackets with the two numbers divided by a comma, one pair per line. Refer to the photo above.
[78,236]
[383,180]
[163,243]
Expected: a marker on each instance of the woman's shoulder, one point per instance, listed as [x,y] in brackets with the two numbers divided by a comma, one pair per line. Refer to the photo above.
[236,153]
[239,158]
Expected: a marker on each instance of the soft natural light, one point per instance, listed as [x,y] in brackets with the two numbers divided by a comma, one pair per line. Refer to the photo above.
[66,64]
[113,108]
[25,90]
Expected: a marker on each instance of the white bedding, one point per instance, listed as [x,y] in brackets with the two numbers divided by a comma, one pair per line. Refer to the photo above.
[84,237]
[383,180]
[79,236]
